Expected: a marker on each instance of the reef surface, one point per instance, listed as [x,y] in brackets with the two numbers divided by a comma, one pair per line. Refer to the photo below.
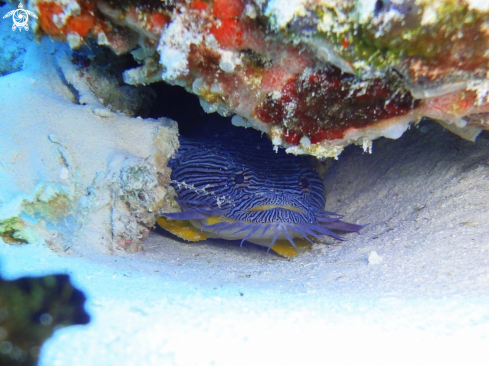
[314,75]
[71,169]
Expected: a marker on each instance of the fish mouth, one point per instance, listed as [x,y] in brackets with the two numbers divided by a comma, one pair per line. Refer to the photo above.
[271,207]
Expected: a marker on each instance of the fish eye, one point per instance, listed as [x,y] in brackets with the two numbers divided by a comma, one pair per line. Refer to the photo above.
[239,178]
[304,183]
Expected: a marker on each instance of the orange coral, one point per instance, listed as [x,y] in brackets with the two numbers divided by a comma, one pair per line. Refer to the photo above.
[229,33]
[81,24]
[227,9]
[46,12]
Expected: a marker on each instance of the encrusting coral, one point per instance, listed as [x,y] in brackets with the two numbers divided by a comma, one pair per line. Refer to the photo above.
[314,75]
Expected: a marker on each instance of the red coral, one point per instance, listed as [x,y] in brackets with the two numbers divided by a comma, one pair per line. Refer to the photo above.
[157,22]
[227,9]
[229,33]
[326,103]
[292,137]
[82,24]
[46,12]
[200,5]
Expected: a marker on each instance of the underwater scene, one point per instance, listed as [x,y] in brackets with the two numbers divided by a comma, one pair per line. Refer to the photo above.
[244,182]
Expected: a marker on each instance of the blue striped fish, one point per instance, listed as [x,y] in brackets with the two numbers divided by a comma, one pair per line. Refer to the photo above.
[241,188]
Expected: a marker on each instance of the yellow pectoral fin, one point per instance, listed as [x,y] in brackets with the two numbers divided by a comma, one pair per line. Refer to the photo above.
[216,219]
[182,228]
[285,249]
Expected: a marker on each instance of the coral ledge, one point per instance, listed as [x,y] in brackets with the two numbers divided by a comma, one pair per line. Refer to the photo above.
[314,75]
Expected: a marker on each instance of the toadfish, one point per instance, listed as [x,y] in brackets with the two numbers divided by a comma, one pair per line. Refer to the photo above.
[237,188]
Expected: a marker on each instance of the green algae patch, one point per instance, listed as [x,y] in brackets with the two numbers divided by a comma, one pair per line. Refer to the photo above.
[52,205]
[18,220]
[11,231]
[15,231]
[447,35]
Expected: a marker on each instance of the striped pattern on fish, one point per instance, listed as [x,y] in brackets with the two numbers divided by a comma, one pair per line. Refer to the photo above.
[236,188]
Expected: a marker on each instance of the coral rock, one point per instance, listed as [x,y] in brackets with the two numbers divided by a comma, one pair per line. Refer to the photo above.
[324,73]
[83,173]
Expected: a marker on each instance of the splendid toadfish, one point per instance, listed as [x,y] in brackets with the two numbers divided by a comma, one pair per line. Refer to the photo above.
[240,188]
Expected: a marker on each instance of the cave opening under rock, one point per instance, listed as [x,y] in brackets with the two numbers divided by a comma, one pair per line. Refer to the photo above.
[387,189]
[183,107]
